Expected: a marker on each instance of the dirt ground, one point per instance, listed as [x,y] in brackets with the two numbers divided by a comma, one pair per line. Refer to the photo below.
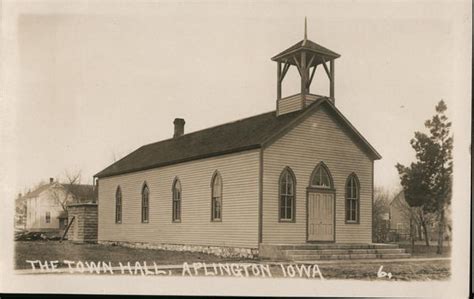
[54,250]
[360,270]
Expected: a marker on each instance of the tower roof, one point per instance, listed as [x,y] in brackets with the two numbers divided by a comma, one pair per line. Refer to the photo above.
[309,46]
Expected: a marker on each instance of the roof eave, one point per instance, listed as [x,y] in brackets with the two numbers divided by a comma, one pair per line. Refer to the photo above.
[375,155]
[284,54]
[315,105]
[158,165]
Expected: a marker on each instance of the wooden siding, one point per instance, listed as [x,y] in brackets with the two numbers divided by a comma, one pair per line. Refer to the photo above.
[36,209]
[289,104]
[294,103]
[318,138]
[239,225]
[310,98]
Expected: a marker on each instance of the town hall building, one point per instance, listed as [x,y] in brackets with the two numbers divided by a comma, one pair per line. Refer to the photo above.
[301,175]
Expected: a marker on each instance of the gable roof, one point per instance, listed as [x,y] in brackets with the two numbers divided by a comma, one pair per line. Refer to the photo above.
[309,46]
[36,192]
[245,134]
[400,195]
[82,192]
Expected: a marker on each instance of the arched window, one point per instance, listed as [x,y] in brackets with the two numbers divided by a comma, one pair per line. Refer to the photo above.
[118,205]
[216,201]
[321,178]
[176,200]
[145,203]
[287,195]
[352,199]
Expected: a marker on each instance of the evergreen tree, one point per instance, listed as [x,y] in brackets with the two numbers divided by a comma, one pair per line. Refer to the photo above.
[427,183]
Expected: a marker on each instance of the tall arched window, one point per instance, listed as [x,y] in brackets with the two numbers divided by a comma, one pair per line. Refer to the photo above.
[118,205]
[176,200]
[216,201]
[352,199]
[321,178]
[145,203]
[287,195]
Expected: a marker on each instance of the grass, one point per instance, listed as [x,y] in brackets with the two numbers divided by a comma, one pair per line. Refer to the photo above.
[426,251]
[401,271]
[340,269]
[54,250]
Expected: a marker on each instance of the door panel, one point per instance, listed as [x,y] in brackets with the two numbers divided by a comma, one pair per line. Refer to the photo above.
[320,216]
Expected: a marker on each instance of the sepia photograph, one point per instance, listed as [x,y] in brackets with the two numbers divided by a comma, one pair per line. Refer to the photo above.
[270,148]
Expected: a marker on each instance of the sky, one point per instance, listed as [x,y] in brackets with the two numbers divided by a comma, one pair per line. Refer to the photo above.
[94,80]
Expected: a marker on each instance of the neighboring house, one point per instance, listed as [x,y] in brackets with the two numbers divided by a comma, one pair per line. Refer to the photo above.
[46,205]
[20,213]
[400,216]
[299,174]
[400,221]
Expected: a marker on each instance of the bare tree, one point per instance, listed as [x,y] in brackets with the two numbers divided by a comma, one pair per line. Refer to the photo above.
[381,208]
[63,194]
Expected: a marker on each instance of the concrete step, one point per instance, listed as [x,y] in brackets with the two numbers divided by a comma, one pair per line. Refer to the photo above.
[394,256]
[332,246]
[357,256]
[300,257]
[342,251]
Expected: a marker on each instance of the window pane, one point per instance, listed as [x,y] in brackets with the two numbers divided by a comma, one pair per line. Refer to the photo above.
[283,186]
[288,212]
[218,210]
[324,179]
[321,178]
[289,188]
[282,211]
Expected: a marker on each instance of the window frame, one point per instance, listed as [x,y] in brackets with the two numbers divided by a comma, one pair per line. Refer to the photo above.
[145,209]
[287,171]
[321,166]
[352,178]
[216,176]
[118,205]
[176,217]
[47,217]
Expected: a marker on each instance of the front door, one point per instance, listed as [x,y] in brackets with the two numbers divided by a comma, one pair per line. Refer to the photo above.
[320,216]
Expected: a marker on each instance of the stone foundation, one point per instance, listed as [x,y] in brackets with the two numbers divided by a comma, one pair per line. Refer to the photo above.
[214,250]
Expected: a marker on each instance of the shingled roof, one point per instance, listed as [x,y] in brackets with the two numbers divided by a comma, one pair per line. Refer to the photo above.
[244,134]
[309,46]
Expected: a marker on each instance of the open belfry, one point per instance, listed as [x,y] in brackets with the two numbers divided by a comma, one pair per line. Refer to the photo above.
[305,56]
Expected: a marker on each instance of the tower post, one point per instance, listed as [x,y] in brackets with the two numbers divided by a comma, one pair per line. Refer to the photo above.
[279,80]
[332,80]
[303,72]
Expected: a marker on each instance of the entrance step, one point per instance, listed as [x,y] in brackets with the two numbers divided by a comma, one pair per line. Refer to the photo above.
[343,251]
[308,251]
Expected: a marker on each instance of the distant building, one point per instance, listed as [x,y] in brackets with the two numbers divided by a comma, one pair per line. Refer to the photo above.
[46,206]
[400,221]
[20,213]
[400,216]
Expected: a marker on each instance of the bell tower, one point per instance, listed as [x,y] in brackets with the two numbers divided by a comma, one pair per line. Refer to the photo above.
[306,56]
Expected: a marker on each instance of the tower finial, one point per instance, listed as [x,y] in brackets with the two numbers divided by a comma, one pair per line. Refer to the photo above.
[305,30]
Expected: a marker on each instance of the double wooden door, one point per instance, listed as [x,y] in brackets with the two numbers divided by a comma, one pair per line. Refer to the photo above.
[320,216]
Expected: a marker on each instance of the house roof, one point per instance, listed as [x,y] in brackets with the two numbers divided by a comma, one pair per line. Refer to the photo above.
[308,46]
[249,133]
[81,191]
[36,192]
